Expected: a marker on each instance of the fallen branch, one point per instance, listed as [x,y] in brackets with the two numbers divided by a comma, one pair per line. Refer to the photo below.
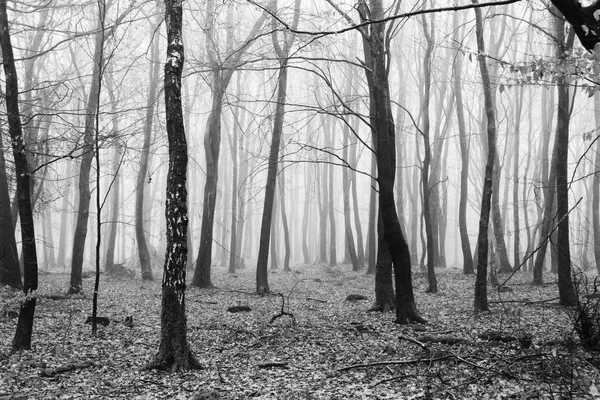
[318,300]
[394,362]
[273,364]
[50,372]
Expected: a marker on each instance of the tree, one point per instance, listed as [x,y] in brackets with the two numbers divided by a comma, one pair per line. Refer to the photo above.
[464,156]
[426,184]
[583,19]
[221,70]
[376,51]
[87,156]
[10,273]
[282,50]
[173,351]
[22,338]
[481,303]
[567,294]
[140,235]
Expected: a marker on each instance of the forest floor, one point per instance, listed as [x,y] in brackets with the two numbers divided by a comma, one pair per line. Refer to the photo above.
[524,348]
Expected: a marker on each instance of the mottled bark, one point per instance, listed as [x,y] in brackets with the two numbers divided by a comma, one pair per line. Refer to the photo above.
[174,352]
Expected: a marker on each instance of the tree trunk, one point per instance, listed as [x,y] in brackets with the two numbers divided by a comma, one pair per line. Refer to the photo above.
[480,302]
[431,238]
[566,290]
[516,144]
[142,177]
[83,212]
[284,222]
[356,265]
[23,333]
[383,129]
[282,51]
[464,159]
[173,351]
[596,178]
[372,230]
[221,76]
[10,272]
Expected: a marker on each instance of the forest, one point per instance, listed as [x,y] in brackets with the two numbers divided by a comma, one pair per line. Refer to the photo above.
[300,199]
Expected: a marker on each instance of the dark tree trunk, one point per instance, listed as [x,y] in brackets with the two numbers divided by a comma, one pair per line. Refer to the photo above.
[282,51]
[583,19]
[221,76]
[372,231]
[384,286]
[384,133]
[83,212]
[481,302]
[566,290]
[596,183]
[22,338]
[10,272]
[173,352]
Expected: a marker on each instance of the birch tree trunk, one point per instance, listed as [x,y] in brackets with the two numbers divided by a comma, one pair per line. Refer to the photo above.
[174,352]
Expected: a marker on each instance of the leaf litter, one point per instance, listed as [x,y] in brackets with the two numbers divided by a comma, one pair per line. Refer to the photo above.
[524,347]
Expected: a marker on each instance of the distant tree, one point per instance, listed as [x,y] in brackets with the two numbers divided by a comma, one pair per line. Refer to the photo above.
[464,154]
[22,338]
[222,68]
[481,302]
[282,50]
[141,182]
[173,351]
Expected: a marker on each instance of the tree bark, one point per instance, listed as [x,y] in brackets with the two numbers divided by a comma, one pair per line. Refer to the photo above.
[23,333]
[10,272]
[480,302]
[174,352]
[566,290]
[383,129]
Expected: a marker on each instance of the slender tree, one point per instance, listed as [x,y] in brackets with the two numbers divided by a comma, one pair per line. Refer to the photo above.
[282,51]
[141,182]
[22,338]
[464,155]
[481,303]
[221,73]
[174,352]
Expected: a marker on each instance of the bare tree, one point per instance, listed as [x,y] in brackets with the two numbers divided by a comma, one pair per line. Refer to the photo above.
[140,235]
[282,50]
[174,352]
[22,338]
[481,303]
